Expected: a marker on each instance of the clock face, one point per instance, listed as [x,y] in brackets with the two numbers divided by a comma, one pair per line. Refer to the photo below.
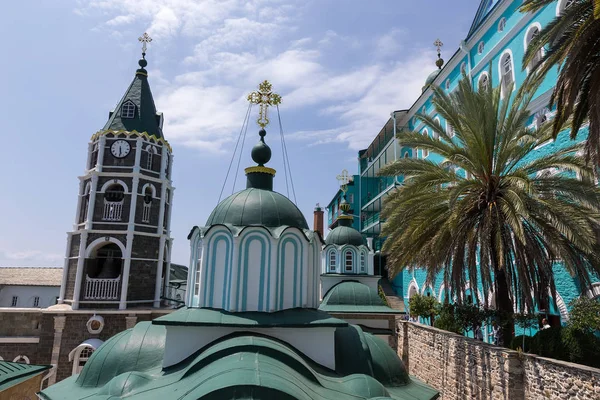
[120,148]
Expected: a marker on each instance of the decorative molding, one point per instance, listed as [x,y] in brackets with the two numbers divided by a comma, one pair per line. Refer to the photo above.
[21,339]
[144,135]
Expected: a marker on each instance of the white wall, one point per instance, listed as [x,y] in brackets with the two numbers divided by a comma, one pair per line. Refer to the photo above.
[316,343]
[26,294]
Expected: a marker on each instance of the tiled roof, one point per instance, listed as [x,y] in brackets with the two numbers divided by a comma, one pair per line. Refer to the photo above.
[31,276]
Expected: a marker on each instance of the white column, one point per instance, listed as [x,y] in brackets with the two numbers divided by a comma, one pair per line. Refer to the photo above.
[63,284]
[161,211]
[101,146]
[89,157]
[80,264]
[305,281]
[133,203]
[92,202]
[164,156]
[171,194]
[79,203]
[168,246]
[138,154]
[126,269]
[159,269]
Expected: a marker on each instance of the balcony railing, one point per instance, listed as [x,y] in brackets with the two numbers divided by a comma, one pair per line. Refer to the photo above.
[371,220]
[112,210]
[102,288]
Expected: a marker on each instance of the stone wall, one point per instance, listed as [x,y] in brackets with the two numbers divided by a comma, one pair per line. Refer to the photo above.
[463,368]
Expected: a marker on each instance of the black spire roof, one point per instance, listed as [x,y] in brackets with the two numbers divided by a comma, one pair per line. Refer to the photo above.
[145,118]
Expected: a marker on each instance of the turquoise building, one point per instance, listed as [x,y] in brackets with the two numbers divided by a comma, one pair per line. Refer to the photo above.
[333,208]
[491,53]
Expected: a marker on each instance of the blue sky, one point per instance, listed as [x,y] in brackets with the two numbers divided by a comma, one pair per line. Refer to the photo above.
[341,67]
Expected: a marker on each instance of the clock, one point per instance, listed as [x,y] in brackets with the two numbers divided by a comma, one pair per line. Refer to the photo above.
[120,148]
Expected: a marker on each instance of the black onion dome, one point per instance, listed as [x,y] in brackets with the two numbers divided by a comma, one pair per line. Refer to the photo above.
[257,207]
[342,235]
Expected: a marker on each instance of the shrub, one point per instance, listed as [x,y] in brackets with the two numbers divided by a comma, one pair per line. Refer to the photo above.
[423,306]
[549,343]
[446,319]
[523,342]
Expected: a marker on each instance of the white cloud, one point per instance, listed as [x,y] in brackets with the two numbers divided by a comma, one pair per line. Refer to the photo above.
[29,257]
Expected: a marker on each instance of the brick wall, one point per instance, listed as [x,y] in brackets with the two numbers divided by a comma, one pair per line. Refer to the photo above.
[142,280]
[463,368]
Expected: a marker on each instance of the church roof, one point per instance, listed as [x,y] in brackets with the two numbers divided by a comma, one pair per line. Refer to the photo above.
[31,276]
[354,297]
[257,207]
[12,373]
[145,119]
[485,7]
[240,366]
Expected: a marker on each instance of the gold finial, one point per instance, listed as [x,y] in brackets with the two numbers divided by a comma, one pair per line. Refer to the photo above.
[264,97]
[439,62]
[344,179]
[145,38]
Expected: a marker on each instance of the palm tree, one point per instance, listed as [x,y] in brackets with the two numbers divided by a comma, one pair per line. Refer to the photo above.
[572,42]
[491,211]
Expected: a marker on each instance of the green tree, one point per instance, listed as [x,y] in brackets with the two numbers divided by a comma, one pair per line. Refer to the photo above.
[585,315]
[423,306]
[571,42]
[491,211]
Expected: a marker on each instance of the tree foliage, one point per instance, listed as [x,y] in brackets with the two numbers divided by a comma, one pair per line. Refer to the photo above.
[491,211]
[423,306]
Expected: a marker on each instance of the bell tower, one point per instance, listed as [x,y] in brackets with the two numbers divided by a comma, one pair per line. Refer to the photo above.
[118,253]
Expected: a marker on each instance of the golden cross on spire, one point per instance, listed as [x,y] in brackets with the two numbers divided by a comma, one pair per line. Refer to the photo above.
[438,43]
[264,97]
[344,179]
[145,38]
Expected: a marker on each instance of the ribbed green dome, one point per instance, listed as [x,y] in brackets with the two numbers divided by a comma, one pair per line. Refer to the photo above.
[342,235]
[351,293]
[431,78]
[258,207]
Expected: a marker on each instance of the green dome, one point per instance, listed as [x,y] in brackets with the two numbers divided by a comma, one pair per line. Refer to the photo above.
[352,293]
[431,78]
[342,235]
[257,207]
[388,369]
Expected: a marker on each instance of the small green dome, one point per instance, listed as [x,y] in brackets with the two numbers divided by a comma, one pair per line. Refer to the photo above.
[342,235]
[388,368]
[257,207]
[352,293]
[431,78]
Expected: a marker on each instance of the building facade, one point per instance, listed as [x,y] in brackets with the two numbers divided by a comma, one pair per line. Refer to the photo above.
[491,54]
[36,287]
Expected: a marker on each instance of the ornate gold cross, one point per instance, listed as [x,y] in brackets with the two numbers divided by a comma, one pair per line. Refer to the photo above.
[344,179]
[145,38]
[264,97]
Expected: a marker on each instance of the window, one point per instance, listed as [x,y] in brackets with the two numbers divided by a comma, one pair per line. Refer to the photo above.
[480,47]
[425,152]
[349,261]
[362,262]
[501,24]
[147,205]
[531,34]
[150,152]
[406,155]
[447,84]
[436,135]
[424,110]
[85,201]
[332,261]
[15,300]
[113,203]
[506,71]
[80,355]
[36,301]
[21,359]
[463,68]
[484,81]
[351,198]
[128,110]
[449,130]
[563,5]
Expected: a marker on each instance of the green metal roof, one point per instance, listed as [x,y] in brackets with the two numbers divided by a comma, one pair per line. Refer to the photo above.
[239,366]
[294,317]
[257,207]
[146,119]
[342,235]
[12,373]
[354,297]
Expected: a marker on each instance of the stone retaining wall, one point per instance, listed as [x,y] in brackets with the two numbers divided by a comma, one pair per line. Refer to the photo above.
[463,368]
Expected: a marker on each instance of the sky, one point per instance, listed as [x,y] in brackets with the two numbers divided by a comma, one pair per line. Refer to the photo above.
[341,67]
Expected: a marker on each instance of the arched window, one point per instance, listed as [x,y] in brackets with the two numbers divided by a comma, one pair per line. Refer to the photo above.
[541,117]
[447,84]
[501,24]
[348,261]
[128,110]
[82,353]
[563,5]
[406,155]
[85,202]
[147,205]
[425,152]
[332,261]
[105,264]
[484,81]
[113,203]
[21,359]
[480,47]
[531,34]
[436,135]
[150,152]
[463,68]
[449,129]
[506,73]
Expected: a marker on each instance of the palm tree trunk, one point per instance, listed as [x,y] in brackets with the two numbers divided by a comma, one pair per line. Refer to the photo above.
[503,306]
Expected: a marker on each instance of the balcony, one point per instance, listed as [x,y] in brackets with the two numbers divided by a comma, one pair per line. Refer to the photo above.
[102,288]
